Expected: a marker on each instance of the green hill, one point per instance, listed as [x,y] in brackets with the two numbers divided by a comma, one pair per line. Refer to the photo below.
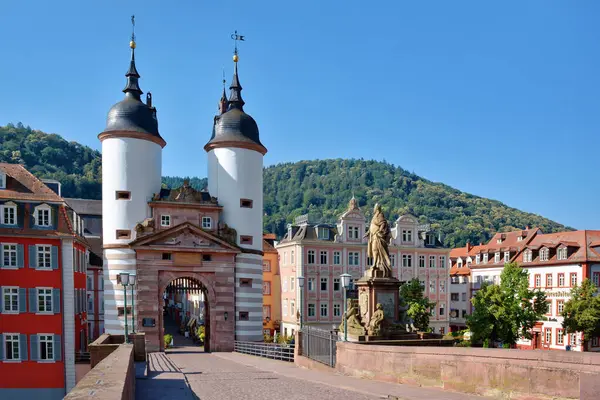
[321,188]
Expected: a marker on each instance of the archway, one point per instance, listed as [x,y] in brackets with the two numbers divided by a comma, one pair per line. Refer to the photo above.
[184,312]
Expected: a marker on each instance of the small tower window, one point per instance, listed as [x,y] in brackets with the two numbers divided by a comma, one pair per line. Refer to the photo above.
[123,234]
[166,256]
[206,222]
[206,257]
[246,240]
[246,203]
[245,282]
[122,195]
[165,220]
[244,316]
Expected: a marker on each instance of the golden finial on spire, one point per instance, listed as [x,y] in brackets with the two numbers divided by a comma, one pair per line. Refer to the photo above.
[132,42]
[236,38]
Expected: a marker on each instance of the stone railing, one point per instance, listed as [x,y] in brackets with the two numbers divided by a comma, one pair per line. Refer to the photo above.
[113,378]
[106,344]
[531,373]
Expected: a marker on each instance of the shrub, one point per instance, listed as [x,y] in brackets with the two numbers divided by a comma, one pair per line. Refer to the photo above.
[464,343]
[268,338]
[168,338]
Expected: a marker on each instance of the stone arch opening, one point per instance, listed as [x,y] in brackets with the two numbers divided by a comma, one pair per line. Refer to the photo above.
[185,297]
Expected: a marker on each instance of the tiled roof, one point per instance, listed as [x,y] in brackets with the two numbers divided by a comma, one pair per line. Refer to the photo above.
[267,248]
[580,246]
[85,206]
[309,232]
[23,185]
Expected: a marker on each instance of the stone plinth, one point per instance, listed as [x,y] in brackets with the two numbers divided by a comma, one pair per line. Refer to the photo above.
[374,289]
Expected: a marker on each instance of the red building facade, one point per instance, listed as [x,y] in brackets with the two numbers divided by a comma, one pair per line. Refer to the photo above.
[42,284]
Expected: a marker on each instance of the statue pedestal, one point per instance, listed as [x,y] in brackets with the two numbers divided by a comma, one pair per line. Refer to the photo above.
[374,289]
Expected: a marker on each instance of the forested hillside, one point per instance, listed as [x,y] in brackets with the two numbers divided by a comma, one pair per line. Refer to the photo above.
[321,188]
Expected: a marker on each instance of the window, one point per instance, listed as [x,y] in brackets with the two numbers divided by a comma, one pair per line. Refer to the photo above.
[266,266]
[246,203]
[431,261]
[549,307]
[311,284]
[454,296]
[442,286]
[560,307]
[123,234]
[499,240]
[560,340]
[442,309]
[244,316]
[544,253]
[9,215]
[573,279]
[166,256]
[122,195]
[485,257]
[292,284]
[432,285]
[497,257]
[336,258]
[9,255]
[292,259]
[311,256]
[267,287]
[573,339]
[285,258]
[393,260]
[244,239]
[285,308]
[464,313]
[538,280]
[245,282]
[595,341]
[562,253]
[323,257]
[165,220]
[11,299]
[337,310]
[421,261]
[477,258]
[323,233]
[353,232]
[266,311]
[442,261]
[206,223]
[527,256]
[323,309]
[2,180]
[323,284]
[561,280]
[44,297]
[311,310]
[548,336]
[548,280]
[44,256]
[42,216]
[46,347]
[11,347]
[464,296]
[596,279]
[432,312]
[406,235]
[506,256]
[406,260]
[292,308]
[336,284]
[353,258]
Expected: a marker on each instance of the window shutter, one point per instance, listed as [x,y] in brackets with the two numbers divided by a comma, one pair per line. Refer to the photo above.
[33,303]
[57,348]
[20,256]
[56,301]
[22,300]
[54,257]
[32,218]
[54,217]
[32,256]
[34,347]
[1,346]
[20,215]
[1,300]
[23,347]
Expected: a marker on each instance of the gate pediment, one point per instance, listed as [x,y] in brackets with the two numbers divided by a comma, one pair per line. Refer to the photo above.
[185,236]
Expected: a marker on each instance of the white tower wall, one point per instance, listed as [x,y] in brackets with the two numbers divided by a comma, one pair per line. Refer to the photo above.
[235,174]
[135,166]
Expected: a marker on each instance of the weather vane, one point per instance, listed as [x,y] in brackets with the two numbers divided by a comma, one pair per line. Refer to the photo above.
[236,38]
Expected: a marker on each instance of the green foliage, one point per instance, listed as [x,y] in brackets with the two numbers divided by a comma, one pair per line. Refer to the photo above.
[582,311]
[167,339]
[411,294]
[507,311]
[201,333]
[321,188]
[268,338]
[282,339]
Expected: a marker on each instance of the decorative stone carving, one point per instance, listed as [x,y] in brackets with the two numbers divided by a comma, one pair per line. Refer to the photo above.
[145,227]
[352,317]
[375,325]
[227,233]
[186,194]
[378,248]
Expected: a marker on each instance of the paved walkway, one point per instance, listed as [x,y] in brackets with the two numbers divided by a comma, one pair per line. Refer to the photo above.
[189,373]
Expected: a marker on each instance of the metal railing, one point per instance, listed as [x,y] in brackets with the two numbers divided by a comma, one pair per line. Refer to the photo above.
[319,345]
[274,351]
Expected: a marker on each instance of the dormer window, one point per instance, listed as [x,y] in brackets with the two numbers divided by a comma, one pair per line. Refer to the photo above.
[165,220]
[562,253]
[499,240]
[527,256]
[9,214]
[353,232]
[431,239]
[519,238]
[2,180]
[323,233]
[506,256]
[206,222]
[459,263]
[406,235]
[485,257]
[477,258]
[544,254]
[497,257]
[42,215]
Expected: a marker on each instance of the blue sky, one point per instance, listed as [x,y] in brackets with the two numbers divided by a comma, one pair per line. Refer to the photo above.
[500,100]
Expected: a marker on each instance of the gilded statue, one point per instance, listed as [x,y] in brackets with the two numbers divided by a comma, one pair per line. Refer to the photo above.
[376,321]
[352,317]
[379,238]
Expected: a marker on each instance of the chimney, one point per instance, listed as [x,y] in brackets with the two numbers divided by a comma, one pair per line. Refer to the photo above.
[469,247]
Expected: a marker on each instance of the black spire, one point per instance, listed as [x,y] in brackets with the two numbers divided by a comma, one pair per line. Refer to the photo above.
[132,88]
[235,94]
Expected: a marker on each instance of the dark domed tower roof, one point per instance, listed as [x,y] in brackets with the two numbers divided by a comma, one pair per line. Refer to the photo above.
[235,128]
[131,117]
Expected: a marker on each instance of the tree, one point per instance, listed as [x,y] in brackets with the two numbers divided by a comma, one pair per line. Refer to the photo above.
[582,311]
[508,311]
[411,294]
